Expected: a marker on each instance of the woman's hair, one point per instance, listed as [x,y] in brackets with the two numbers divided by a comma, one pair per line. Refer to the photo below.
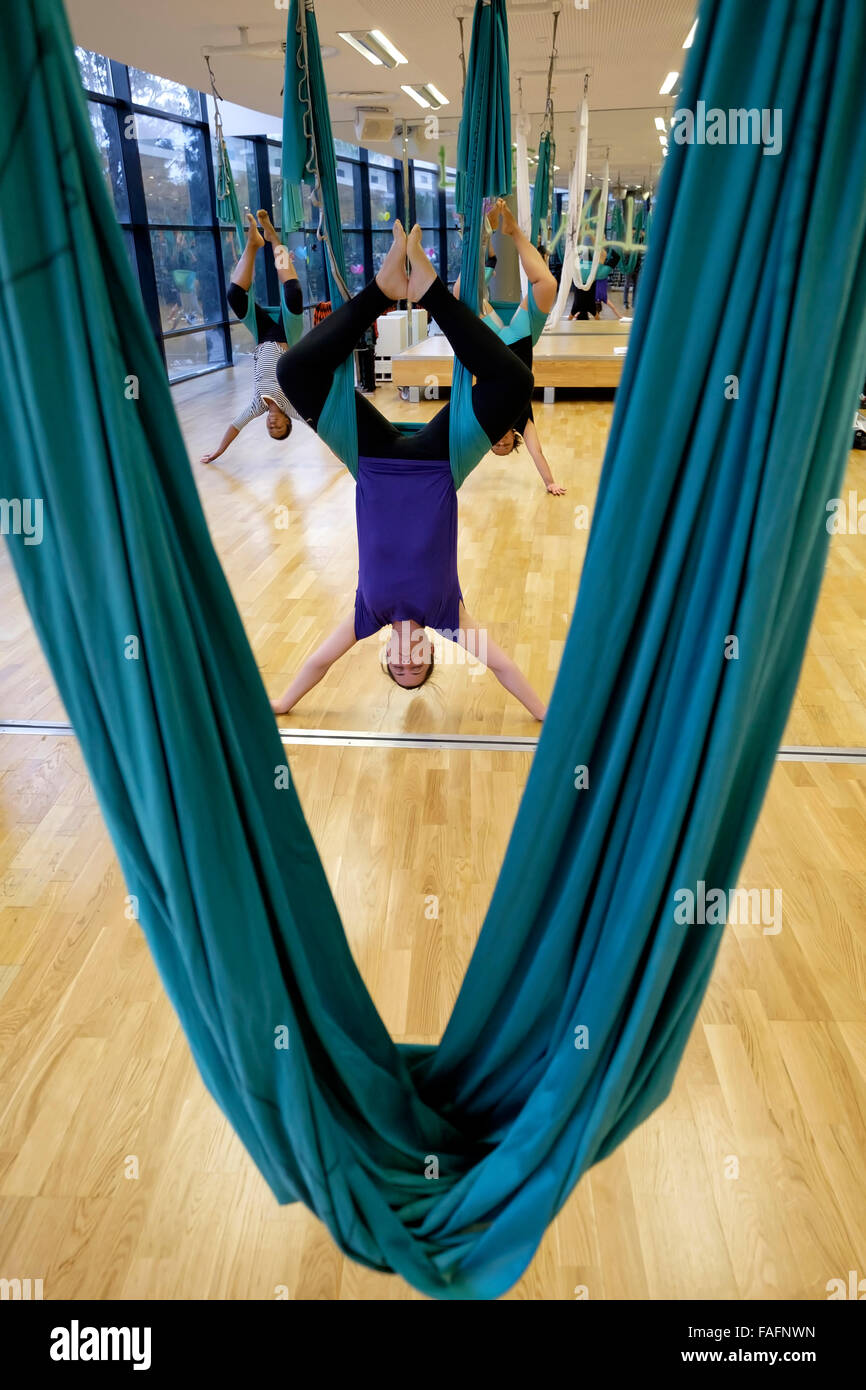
[386,667]
[517,439]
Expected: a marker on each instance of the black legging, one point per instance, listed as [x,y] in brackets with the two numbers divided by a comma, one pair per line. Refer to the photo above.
[503,383]
[522,348]
[583,302]
[267,331]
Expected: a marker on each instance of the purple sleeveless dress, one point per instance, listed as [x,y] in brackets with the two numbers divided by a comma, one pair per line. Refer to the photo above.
[406,512]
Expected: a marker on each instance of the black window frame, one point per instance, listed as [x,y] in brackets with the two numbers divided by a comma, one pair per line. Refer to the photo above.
[139,224]
[140,227]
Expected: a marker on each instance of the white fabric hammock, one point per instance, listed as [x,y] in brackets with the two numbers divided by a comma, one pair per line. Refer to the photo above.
[524,207]
[571,266]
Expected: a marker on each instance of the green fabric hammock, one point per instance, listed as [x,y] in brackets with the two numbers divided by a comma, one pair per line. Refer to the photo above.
[616,222]
[229,210]
[725,503]
[629,262]
[308,156]
[541,188]
[484,167]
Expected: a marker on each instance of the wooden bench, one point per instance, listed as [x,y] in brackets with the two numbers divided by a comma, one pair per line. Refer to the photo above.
[569,358]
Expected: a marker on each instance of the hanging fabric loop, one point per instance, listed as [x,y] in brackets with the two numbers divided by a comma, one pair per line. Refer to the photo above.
[572,273]
[523,125]
[229,210]
[583,940]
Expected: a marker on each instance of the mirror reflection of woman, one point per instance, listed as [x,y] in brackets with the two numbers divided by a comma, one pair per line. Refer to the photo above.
[406,499]
[522,332]
[267,398]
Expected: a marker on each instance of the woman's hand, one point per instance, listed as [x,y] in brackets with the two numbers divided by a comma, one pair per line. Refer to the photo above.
[555,490]
[317,666]
[230,434]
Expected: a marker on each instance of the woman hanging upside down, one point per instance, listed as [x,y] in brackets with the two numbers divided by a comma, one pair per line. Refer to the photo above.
[522,333]
[406,500]
[267,399]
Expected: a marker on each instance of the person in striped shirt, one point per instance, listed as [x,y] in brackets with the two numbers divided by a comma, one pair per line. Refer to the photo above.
[268,399]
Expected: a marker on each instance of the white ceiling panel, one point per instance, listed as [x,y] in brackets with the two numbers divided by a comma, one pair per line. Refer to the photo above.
[627,45]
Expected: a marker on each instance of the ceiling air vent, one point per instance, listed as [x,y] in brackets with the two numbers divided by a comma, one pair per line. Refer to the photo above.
[373,123]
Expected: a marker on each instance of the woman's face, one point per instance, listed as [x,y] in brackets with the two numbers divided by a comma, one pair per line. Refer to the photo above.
[408,655]
[277,423]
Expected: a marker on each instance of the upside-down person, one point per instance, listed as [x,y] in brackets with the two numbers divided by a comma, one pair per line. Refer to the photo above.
[406,497]
[268,398]
[521,334]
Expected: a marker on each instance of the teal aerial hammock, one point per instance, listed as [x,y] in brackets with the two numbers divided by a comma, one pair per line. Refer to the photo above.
[484,143]
[542,193]
[308,157]
[484,167]
[616,228]
[542,188]
[229,210]
[638,238]
[656,752]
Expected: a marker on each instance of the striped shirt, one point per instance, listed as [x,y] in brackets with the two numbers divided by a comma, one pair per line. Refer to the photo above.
[265,360]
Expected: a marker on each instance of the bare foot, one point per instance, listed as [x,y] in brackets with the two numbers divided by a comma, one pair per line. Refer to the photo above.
[254,236]
[279,706]
[507,220]
[421,271]
[268,228]
[391,276]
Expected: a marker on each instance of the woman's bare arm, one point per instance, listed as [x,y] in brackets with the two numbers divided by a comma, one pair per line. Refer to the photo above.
[536,453]
[317,665]
[230,434]
[475,639]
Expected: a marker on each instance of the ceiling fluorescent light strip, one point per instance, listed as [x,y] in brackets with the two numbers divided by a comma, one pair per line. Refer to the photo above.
[435,94]
[388,47]
[375,46]
[415,95]
[361,48]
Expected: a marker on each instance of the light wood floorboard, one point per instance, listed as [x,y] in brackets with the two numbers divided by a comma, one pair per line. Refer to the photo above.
[94,1066]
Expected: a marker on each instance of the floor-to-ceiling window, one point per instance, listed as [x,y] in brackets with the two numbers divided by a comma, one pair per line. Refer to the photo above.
[369,191]
[382,180]
[153,140]
[253,191]
[174,164]
[429,212]
[453,239]
[157,155]
[352,219]
[96,77]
